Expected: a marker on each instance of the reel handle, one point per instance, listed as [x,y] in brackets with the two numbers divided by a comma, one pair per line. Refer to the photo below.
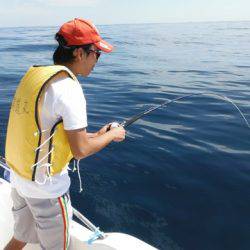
[113,125]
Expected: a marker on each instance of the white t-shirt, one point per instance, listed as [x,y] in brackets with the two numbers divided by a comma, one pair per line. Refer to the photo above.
[63,99]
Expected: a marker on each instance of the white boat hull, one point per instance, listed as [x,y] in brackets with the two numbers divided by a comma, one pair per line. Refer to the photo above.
[79,234]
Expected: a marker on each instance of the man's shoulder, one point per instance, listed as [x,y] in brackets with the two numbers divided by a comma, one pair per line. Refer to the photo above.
[64,85]
[64,81]
[66,91]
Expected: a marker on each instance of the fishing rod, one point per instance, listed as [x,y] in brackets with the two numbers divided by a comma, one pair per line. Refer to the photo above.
[136,117]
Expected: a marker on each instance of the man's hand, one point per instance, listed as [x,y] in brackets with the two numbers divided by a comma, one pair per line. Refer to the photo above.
[118,133]
[103,130]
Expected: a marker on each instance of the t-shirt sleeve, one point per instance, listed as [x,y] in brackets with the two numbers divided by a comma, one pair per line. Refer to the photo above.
[71,105]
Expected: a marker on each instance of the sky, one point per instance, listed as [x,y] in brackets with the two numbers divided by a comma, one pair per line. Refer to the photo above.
[16,13]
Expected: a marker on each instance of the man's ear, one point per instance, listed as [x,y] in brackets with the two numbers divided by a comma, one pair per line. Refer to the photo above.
[82,54]
[75,52]
[78,53]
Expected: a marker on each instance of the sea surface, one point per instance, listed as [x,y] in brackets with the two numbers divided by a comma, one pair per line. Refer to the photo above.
[181,179]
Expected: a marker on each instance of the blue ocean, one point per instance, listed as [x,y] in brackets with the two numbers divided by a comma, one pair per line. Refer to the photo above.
[181,179]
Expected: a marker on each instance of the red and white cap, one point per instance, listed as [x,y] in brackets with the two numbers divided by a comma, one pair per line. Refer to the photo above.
[80,32]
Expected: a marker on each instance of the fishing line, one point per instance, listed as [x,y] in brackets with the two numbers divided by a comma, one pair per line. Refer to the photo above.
[136,117]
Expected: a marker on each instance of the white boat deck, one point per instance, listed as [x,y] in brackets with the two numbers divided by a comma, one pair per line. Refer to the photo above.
[79,234]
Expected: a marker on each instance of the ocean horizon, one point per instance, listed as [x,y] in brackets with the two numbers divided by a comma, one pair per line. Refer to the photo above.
[139,23]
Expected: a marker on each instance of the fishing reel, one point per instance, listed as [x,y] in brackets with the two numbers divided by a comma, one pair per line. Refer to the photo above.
[113,125]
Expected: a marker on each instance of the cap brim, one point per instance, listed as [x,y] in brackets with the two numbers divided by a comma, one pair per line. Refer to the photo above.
[104,46]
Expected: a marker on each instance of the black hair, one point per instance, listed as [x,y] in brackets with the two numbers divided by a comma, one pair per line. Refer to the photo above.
[64,54]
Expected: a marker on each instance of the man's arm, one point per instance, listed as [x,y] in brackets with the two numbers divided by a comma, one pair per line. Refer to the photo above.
[102,131]
[83,145]
[91,135]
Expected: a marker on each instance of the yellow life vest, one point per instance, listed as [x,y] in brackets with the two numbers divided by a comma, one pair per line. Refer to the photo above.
[25,140]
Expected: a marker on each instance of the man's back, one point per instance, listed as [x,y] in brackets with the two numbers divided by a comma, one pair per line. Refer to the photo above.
[63,99]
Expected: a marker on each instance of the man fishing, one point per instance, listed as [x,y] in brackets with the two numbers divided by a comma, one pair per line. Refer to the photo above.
[46,129]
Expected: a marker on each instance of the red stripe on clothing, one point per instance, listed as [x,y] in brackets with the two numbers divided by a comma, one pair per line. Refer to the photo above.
[64,223]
